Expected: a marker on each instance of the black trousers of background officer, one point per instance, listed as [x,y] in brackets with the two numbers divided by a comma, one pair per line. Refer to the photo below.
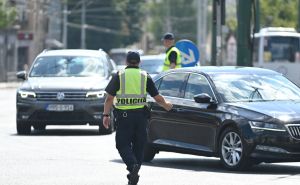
[131,135]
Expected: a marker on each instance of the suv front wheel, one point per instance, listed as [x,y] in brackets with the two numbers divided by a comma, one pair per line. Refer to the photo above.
[23,128]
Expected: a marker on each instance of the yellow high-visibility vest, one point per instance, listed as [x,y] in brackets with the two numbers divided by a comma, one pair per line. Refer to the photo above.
[167,61]
[132,93]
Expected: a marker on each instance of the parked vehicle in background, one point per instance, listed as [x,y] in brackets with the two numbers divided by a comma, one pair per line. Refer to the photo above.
[119,56]
[64,87]
[153,64]
[243,115]
[278,49]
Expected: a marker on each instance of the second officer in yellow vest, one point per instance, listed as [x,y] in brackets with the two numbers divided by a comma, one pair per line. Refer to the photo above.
[173,58]
[129,88]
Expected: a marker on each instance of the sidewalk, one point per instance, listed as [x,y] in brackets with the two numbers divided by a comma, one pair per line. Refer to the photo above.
[6,85]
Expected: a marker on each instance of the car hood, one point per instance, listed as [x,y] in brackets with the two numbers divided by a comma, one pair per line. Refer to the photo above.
[64,83]
[285,111]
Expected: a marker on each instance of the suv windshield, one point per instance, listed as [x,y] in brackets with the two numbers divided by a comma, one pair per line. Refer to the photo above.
[63,66]
[238,87]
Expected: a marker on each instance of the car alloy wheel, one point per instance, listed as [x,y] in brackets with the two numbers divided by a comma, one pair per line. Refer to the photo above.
[232,148]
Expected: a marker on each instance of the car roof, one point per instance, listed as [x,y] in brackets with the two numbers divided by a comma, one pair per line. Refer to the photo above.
[151,57]
[211,70]
[72,52]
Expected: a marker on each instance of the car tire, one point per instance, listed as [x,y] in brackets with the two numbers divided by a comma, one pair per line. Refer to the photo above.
[23,128]
[149,153]
[39,127]
[233,150]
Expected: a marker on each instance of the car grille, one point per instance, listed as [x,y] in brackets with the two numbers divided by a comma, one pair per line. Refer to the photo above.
[53,96]
[294,130]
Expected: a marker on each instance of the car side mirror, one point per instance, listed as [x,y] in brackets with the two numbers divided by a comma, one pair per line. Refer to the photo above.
[22,75]
[203,98]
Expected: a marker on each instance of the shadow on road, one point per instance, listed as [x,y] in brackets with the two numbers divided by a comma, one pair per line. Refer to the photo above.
[64,132]
[214,165]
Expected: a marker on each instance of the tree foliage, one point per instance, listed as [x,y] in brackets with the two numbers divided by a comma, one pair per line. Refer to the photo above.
[120,21]
[7,14]
[278,13]
[182,16]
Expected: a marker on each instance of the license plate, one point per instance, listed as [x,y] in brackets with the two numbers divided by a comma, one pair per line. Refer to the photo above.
[60,107]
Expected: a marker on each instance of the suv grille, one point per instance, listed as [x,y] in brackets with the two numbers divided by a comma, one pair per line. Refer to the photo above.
[294,130]
[67,96]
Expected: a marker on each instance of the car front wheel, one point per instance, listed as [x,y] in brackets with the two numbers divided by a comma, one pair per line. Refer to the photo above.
[23,128]
[232,150]
[149,153]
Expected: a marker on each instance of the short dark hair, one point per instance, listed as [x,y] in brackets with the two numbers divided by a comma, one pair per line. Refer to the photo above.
[133,57]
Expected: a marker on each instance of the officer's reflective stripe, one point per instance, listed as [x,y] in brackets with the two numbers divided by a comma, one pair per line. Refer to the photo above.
[130,95]
[143,81]
[122,80]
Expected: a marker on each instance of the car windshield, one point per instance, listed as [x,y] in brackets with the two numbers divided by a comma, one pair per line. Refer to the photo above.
[250,87]
[63,66]
[282,48]
[152,66]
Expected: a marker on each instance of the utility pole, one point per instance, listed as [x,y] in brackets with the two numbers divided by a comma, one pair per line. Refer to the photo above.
[214,35]
[257,16]
[244,53]
[168,20]
[83,25]
[65,25]
[201,29]
[299,16]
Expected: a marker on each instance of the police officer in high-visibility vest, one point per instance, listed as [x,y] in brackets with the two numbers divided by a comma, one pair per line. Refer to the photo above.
[127,90]
[173,58]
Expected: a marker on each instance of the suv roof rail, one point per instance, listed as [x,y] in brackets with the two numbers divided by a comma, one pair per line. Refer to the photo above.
[100,49]
[45,50]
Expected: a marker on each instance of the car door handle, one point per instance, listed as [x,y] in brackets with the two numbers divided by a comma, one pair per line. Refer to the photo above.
[177,110]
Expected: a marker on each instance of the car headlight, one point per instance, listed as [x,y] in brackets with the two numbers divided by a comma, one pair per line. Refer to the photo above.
[95,94]
[27,94]
[257,125]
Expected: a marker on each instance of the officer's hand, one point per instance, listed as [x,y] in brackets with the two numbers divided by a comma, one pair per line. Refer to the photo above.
[168,106]
[106,122]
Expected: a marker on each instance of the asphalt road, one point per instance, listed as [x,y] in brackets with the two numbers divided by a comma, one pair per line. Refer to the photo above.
[77,155]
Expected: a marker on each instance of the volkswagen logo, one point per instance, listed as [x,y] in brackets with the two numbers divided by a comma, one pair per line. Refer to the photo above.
[60,96]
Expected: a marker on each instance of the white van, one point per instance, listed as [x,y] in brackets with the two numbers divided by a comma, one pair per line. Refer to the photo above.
[277,48]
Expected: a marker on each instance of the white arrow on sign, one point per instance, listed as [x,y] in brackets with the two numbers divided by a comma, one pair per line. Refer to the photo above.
[188,58]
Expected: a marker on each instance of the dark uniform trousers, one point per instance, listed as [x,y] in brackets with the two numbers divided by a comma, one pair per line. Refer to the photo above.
[131,135]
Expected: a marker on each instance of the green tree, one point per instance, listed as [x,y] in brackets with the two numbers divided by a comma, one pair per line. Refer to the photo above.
[182,17]
[7,14]
[116,22]
[278,13]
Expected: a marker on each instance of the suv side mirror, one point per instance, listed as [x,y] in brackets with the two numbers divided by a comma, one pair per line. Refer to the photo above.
[203,98]
[22,75]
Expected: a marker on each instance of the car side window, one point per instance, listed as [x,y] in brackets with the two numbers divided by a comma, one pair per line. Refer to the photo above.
[171,84]
[197,84]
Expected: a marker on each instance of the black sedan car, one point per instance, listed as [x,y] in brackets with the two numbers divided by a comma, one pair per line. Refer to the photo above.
[64,87]
[243,115]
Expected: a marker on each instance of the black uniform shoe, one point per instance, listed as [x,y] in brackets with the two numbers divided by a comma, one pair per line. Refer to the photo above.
[133,177]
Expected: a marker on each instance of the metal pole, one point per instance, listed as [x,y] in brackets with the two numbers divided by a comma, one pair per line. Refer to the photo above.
[244,54]
[257,16]
[65,27]
[214,35]
[83,35]
[201,29]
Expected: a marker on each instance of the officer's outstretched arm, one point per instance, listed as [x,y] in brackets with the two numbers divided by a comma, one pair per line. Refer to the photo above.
[162,102]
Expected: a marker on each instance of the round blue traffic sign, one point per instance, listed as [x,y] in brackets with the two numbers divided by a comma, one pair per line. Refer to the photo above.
[189,53]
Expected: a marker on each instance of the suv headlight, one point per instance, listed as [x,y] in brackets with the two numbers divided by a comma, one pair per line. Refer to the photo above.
[26,94]
[257,125]
[95,94]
